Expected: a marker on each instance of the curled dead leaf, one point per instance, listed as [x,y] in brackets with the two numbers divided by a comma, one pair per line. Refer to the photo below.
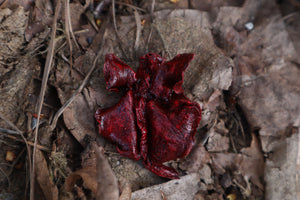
[99,177]
[88,175]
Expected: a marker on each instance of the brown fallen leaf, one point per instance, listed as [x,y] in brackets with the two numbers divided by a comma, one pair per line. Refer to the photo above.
[217,142]
[107,183]
[43,178]
[42,16]
[266,75]
[209,108]
[196,159]
[88,175]
[252,166]
[223,161]
[266,79]
[96,175]
[249,163]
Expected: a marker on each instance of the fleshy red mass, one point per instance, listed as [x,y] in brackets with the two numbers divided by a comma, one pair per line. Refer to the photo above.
[154,121]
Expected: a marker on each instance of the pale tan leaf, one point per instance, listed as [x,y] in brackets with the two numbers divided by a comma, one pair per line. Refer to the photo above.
[43,178]
[252,166]
[107,183]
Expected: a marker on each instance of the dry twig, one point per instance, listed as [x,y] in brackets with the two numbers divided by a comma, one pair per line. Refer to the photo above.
[68,31]
[49,60]
[61,110]
[6,176]
[40,147]
[22,135]
[3,4]
[116,29]
[9,131]
[152,7]
[138,29]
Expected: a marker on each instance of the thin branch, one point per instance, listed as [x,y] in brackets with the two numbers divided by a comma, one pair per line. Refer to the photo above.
[40,147]
[10,123]
[48,64]
[138,29]
[149,38]
[68,18]
[67,26]
[116,29]
[3,130]
[7,177]
[22,135]
[152,7]
[61,110]
[3,4]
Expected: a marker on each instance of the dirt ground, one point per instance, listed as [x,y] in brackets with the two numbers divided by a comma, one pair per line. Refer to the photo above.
[244,75]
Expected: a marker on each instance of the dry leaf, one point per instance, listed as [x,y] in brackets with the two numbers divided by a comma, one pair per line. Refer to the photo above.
[107,183]
[196,159]
[282,169]
[79,119]
[250,163]
[43,178]
[209,108]
[89,176]
[266,79]
[76,10]
[221,161]
[96,175]
[42,17]
[265,76]
[217,141]
[206,175]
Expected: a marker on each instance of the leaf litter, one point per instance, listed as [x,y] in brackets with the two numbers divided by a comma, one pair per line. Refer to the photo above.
[246,82]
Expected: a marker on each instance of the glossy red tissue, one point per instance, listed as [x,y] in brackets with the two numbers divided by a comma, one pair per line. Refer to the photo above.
[154,121]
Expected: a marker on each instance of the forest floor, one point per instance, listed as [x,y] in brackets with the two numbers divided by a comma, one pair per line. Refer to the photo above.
[244,75]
